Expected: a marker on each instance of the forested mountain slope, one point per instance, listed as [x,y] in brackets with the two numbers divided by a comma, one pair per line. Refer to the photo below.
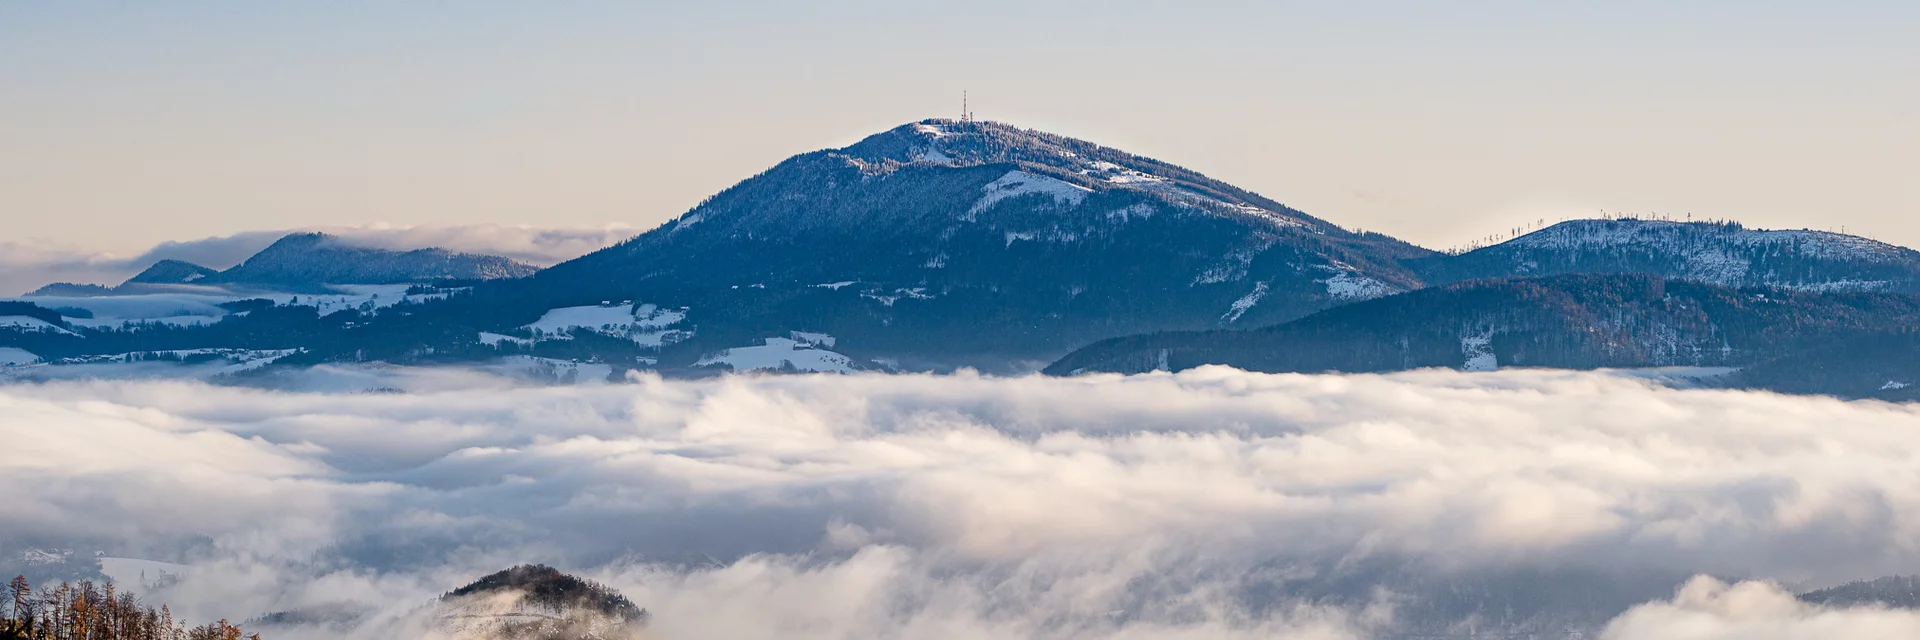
[1575,322]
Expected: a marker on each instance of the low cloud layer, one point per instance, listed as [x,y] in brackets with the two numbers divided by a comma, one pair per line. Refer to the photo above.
[1211,503]
[1708,609]
[27,266]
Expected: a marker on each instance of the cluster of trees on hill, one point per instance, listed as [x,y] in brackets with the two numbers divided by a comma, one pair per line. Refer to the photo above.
[86,611]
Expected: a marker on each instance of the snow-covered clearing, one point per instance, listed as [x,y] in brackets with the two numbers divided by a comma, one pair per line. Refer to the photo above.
[30,323]
[1021,183]
[645,324]
[10,356]
[1479,352]
[1349,286]
[494,339]
[778,354]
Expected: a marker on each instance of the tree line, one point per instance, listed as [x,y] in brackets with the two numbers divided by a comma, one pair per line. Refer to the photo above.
[86,611]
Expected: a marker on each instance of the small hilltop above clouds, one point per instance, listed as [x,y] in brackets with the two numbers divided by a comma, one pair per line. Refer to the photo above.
[526,602]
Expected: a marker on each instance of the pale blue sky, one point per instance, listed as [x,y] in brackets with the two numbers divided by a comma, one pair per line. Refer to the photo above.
[123,124]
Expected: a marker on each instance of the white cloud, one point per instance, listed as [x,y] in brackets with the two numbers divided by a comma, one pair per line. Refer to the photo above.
[1211,503]
[1708,609]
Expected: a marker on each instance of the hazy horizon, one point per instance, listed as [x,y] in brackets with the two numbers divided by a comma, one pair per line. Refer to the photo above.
[129,126]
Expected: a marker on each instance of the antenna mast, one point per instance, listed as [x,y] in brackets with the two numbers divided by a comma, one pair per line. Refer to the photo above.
[965,115]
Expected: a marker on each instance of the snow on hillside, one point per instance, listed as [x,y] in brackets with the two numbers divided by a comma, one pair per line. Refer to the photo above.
[30,323]
[1349,286]
[779,354]
[198,364]
[645,324]
[812,339]
[192,309]
[1712,253]
[1020,183]
[1478,350]
[494,339]
[1245,302]
[11,356]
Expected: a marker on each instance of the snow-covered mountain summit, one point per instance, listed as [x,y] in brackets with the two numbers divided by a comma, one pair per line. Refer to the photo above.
[1068,162]
[940,234]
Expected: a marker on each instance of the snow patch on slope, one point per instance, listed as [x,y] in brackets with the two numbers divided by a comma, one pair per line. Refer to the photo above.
[1479,352]
[809,338]
[495,339]
[1349,286]
[12,356]
[30,323]
[1020,183]
[1245,302]
[778,354]
[646,324]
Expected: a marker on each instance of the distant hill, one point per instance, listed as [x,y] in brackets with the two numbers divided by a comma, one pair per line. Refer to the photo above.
[1901,592]
[527,602]
[171,272]
[307,260]
[72,289]
[1716,253]
[944,240]
[1573,322]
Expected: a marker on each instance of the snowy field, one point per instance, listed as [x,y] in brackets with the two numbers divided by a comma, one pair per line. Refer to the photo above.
[188,309]
[644,324]
[1207,504]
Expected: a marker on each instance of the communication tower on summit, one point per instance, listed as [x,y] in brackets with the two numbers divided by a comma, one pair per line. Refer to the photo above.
[965,115]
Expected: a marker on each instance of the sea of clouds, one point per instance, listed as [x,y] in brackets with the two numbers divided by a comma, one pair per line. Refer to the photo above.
[1213,503]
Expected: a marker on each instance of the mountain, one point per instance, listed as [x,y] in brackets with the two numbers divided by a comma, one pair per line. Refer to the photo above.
[1725,254]
[170,272]
[306,262]
[941,244]
[1572,322]
[309,260]
[943,239]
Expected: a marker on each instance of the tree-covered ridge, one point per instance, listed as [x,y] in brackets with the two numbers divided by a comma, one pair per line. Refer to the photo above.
[536,602]
[312,259]
[86,611]
[1720,253]
[1574,322]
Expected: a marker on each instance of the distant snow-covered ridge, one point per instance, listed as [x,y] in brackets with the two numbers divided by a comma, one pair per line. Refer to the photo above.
[1681,237]
[1714,253]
